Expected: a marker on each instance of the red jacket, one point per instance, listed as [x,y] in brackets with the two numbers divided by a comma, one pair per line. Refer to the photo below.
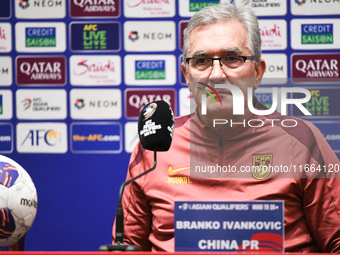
[311,199]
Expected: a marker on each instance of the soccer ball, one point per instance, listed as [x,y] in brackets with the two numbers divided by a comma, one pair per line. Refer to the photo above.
[18,201]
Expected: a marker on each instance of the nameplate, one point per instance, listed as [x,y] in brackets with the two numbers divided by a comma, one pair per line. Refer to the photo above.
[252,226]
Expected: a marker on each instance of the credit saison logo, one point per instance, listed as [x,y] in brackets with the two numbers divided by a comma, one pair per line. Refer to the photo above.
[40,36]
[150,69]
[196,5]
[317,33]
[238,104]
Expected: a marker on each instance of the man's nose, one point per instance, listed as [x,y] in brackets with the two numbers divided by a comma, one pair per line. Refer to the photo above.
[217,71]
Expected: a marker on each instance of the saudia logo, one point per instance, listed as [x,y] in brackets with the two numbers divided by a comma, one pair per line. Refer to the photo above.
[271,32]
[84,67]
[238,103]
[135,3]
[2,34]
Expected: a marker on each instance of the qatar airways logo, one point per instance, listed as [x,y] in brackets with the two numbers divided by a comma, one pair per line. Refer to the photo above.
[94,8]
[316,67]
[135,3]
[41,70]
[239,102]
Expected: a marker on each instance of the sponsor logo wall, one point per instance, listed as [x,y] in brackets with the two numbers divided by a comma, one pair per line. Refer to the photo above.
[67,55]
[74,75]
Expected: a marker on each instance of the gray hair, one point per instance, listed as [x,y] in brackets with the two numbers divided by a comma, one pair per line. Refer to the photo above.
[227,11]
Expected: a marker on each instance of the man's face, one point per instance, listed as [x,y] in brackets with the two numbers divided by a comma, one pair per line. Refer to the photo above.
[221,39]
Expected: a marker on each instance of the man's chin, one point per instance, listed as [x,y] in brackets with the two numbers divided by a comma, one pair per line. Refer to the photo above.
[218,111]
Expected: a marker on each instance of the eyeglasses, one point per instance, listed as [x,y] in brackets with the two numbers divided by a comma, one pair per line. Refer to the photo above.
[203,63]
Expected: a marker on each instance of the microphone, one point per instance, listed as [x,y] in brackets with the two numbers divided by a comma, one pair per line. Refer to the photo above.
[156,126]
[155,130]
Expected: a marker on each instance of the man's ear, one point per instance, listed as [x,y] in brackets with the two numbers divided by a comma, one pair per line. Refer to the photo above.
[260,68]
[185,73]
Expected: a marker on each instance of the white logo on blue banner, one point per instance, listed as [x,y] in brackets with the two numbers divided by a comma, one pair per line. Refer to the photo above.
[6,138]
[96,137]
[255,226]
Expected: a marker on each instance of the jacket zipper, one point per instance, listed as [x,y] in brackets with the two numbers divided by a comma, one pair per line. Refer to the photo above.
[220,159]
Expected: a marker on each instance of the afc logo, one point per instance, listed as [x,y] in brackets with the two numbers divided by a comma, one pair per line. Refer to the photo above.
[37,137]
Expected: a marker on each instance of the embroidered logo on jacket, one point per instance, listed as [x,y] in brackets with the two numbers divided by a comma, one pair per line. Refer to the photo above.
[261,166]
[178,179]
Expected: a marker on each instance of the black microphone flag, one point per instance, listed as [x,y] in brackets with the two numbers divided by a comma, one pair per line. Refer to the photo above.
[156,126]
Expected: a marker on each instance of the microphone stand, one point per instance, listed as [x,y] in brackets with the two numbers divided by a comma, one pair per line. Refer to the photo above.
[118,245]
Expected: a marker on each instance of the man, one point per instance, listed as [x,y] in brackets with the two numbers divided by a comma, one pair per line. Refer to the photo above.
[222,46]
